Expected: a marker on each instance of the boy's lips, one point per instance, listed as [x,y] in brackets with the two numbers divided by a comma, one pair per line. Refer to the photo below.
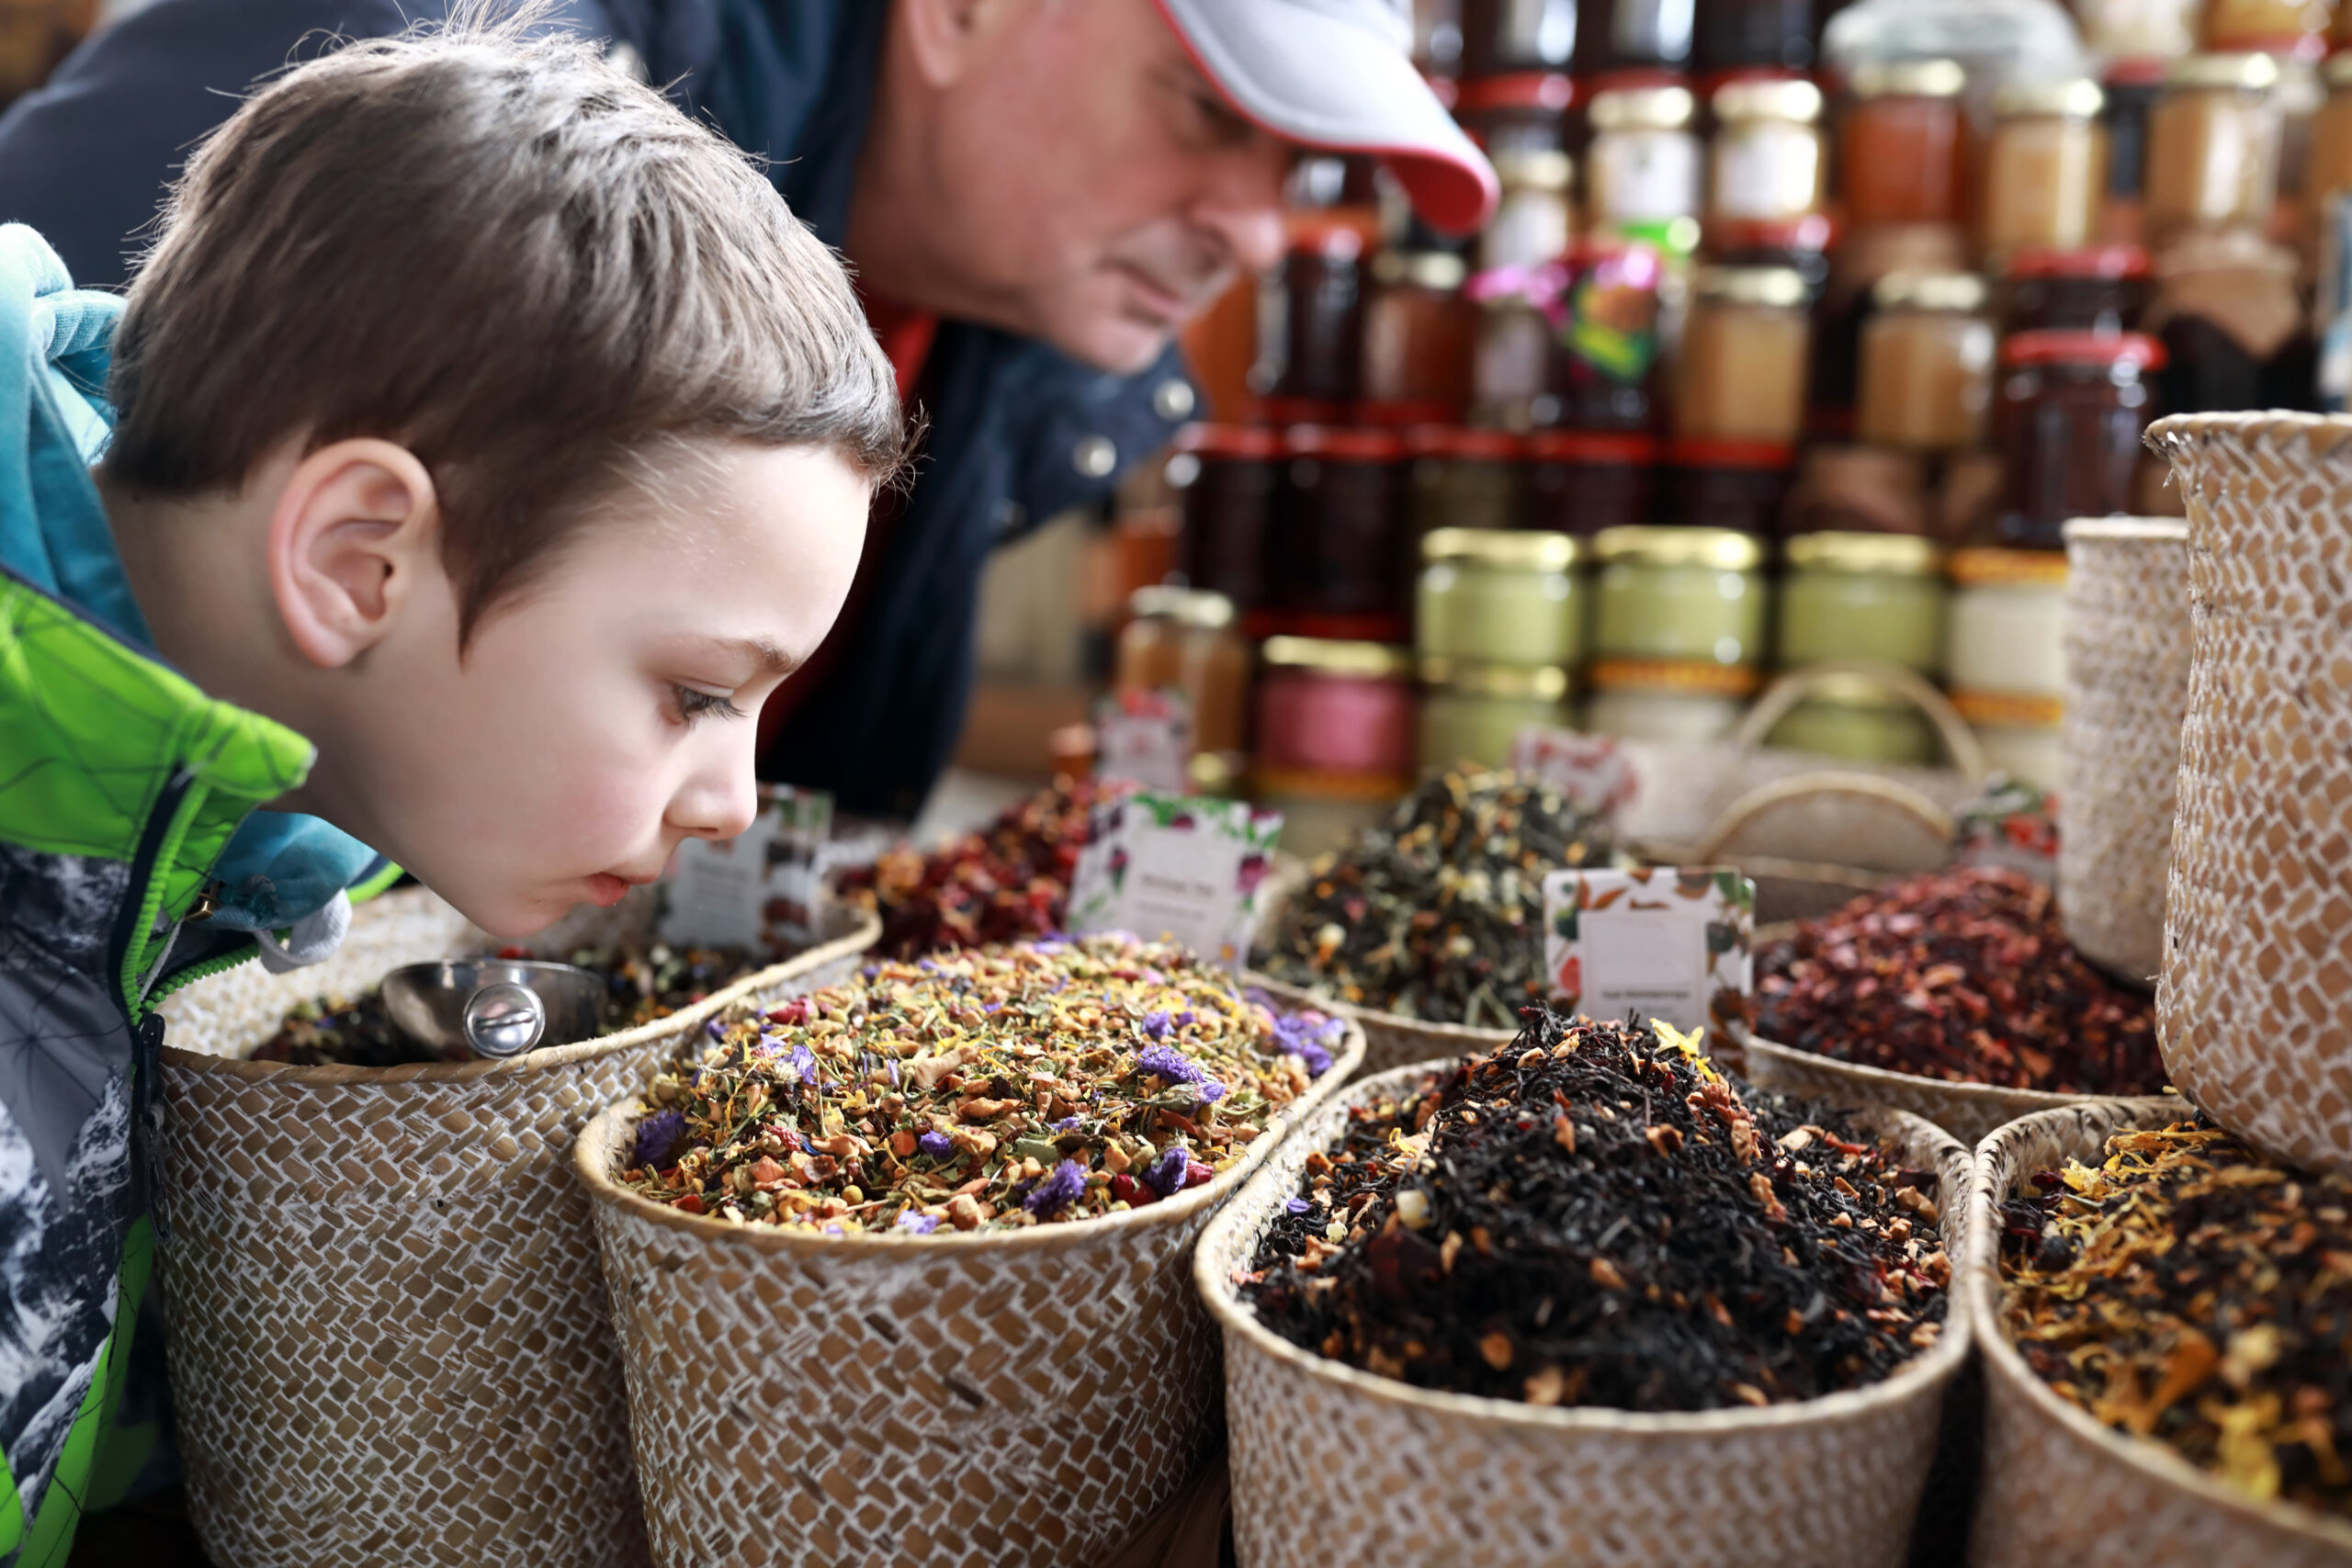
[605,889]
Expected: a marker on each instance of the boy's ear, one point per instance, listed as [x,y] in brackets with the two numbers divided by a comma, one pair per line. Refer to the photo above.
[352,534]
[949,36]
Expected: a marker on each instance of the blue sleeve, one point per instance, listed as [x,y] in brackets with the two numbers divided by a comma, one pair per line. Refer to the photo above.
[85,160]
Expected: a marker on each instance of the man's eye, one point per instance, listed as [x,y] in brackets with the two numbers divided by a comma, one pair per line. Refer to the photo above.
[693,705]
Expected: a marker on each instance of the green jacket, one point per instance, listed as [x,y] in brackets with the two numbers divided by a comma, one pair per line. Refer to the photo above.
[125,792]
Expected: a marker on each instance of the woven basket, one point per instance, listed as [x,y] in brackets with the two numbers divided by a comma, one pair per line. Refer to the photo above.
[1014,1400]
[1335,1465]
[2127,686]
[2254,1009]
[2059,1487]
[385,1336]
[1969,1111]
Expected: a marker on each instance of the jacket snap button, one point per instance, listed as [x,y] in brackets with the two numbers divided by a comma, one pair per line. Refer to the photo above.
[1095,456]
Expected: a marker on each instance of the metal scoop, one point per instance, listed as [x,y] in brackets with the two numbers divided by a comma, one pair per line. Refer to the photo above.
[494,1007]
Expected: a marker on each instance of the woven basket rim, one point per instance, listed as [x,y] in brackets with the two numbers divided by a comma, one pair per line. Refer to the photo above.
[1930,1366]
[592,1157]
[2155,1460]
[2334,429]
[2128,530]
[1452,1037]
[1883,1081]
[865,930]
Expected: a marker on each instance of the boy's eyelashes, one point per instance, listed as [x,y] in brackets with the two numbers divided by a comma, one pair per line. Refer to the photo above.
[694,704]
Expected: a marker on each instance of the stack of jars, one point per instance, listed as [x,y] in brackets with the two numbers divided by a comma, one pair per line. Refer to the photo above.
[1499,630]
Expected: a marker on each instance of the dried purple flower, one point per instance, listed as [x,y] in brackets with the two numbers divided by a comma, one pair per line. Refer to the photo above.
[1170,1064]
[1058,1190]
[1067,1125]
[803,1067]
[921,1224]
[938,1145]
[1157,1025]
[1211,1092]
[1298,1205]
[1165,1175]
[714,1028]
[658,1137]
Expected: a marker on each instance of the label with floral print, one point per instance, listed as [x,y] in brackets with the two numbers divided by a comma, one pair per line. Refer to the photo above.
[1668,943]
[1175,867]
[760,890]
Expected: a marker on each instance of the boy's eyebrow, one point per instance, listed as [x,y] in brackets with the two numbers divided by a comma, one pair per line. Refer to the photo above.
[770,659]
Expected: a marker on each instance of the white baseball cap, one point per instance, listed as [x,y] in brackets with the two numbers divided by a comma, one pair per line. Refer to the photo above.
[1340,75]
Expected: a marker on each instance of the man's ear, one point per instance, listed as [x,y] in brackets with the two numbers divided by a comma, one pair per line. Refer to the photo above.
[948,37]
[352,534]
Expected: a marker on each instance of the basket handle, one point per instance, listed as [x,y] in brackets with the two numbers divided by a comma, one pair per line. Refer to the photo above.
[1960,744]
[1902,796]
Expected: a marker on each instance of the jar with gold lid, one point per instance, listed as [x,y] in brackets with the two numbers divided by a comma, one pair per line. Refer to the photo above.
[1926,364]
[1419,334]
[1500,598]
[2045,167]
[1768,161]
[1877,596]
[1532,221]
[1903,150]
[1643,169]
[2213,146]
[2006,627]
[1680,594]
[1472,712]
[1745,354]
[1336,707]
[1186,639]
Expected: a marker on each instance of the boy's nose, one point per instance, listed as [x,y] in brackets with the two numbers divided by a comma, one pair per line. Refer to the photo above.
[720,800]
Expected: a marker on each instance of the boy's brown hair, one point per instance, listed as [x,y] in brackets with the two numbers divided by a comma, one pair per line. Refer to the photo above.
[507,255]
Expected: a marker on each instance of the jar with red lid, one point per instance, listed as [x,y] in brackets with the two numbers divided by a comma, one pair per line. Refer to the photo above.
[1752,35]
[1462,478]
[1342,552]
[1903,152]
[1582,481]
[1500,36]
[1310,329]
[2103,289]
[1525,111]
[2070,412]
[1605,352]
[1734,485]
[1418,334]
[1224,476]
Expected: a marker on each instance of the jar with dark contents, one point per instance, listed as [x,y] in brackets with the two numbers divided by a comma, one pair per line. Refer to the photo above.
[2100,288]
[1634,34]
[1903,150]
[1461,478]
[2129,92]
[2069,415]
[1605,352]
[1342,550]
[1418,333]
[1579,482]
[2227,309]
[1224,476]
[1500,36]
[1525,111]
[1734,485]
[1752,35]
[1312,320]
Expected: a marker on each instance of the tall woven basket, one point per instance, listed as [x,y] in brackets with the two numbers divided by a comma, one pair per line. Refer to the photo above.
[1022,1400]
[2255,1008]
[1335,1465]
[2059,1487]
[2127,687]
[386,1339]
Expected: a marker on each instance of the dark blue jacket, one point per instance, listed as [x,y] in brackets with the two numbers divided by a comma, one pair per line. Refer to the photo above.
[85,160]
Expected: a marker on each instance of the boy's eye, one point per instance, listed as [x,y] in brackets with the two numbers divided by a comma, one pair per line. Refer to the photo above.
[693,704]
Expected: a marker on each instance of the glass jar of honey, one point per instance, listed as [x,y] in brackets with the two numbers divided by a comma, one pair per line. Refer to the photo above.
[1419,338]
[1184,639]
[2213,146]
[1903,154]
[1926,364]
[1746,350]
[2045,169]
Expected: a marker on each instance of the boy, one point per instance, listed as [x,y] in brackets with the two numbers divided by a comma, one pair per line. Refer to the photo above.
[481,445]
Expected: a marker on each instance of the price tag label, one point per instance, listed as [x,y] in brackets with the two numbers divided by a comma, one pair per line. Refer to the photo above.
[1176,866]
[761,890]
[1665,943]
[1145,737]
[1592,773]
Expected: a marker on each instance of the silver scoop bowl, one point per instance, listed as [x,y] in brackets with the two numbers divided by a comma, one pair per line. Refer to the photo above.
[495,1008]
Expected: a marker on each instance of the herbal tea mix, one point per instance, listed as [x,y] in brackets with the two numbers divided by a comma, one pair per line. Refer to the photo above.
[1031,1084]
[1009,880]
[1438,914]
[2190,1291]
[643,981]
[1962,976]
[1593,1216]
